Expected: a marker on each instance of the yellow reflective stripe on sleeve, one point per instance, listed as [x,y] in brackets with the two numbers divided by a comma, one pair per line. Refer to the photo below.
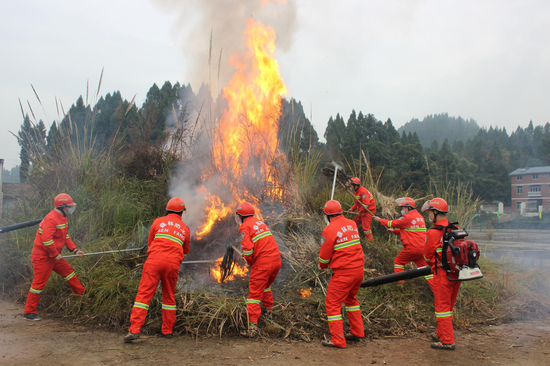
[267,289]
[429,277]
[389,223]
[46,243]
[426,259]
[71,275]
[398,266]
[438,250]
[40,230]
[169,237]
[168,307]
[445,314]
[261,236]
[253,301]
[347,244]
[61,226]
[68,236]
[368,232]
[35,291]
[333,318]
[141,305]
[353,308]
[421,229]
[248,252]
[324,261]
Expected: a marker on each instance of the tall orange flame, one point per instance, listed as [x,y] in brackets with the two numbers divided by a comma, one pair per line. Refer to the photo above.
[246,155]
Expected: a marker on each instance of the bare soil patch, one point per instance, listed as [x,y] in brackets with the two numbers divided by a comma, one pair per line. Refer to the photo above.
[59,342]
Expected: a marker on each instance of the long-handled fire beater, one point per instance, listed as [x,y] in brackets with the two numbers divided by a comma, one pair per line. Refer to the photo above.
[227,264]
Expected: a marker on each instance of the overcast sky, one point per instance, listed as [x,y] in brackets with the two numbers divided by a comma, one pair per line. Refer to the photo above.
[486,60]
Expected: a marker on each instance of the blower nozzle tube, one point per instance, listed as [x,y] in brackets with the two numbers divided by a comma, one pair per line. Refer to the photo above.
[21,225]
[405,275]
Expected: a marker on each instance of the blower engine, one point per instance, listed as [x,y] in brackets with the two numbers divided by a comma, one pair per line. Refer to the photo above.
[460,255]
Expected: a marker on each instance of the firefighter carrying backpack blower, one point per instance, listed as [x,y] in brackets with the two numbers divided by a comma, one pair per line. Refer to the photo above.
[453,259]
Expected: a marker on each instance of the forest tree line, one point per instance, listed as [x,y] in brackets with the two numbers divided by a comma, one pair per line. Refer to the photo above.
[439,148]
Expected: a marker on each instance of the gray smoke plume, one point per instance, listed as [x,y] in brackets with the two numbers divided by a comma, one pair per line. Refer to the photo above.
[225,21]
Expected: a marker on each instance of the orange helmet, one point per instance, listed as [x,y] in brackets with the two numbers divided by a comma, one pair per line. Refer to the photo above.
[245,209]
[63,200]
[355,180]
[332,207]
[405,202]
[437,204]
[175,205]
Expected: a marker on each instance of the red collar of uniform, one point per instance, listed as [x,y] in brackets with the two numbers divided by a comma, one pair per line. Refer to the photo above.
[442,222]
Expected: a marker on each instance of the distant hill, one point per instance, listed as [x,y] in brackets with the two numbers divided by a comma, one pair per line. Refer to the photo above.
[440,127]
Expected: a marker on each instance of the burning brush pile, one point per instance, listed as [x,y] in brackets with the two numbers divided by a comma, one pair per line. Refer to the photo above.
[238,160]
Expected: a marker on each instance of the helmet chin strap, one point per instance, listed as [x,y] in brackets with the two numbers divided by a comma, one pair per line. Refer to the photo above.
[61,209]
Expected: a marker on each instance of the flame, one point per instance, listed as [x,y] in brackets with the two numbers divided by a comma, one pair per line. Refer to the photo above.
[304,293]
[246,141]
[216,210]
[238,271]
[246,154]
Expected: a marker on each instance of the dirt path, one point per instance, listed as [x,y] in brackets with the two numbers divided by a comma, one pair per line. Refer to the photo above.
[55,342]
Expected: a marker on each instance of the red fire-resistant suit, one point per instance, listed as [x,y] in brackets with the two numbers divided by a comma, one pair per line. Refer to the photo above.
[168,245]
[365,218]
[51,236]
[262,253]
[445,291]
[412,230]
[341,251]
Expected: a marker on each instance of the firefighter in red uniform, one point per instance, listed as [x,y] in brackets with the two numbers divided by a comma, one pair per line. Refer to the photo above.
[168,245]
[445,291]
[261,252]
[52,235]
[412,230]
[362,195]
[341,251]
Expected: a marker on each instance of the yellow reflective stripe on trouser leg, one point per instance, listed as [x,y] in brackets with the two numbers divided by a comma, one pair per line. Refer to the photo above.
[444,314]
[71,275]
[333,318]
[399,266]
[168,307]
[253,301]
[34,291]
[141,305]
[267,289]
[429,277]
[353,308]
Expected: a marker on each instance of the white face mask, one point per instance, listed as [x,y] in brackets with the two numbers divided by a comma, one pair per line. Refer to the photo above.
[403,212]
[238,219]
[326,219]
[71,209]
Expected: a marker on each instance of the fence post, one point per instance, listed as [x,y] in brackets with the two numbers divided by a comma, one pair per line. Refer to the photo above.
[517,225]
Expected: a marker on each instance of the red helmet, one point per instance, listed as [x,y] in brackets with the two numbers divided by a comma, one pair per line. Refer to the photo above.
[355,180]
[406,202]
[245,209]
[175,205]
[332,207]
[438,204]
[63,200]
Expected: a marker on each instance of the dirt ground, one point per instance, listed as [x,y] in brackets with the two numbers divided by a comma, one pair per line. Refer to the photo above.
[57,342]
